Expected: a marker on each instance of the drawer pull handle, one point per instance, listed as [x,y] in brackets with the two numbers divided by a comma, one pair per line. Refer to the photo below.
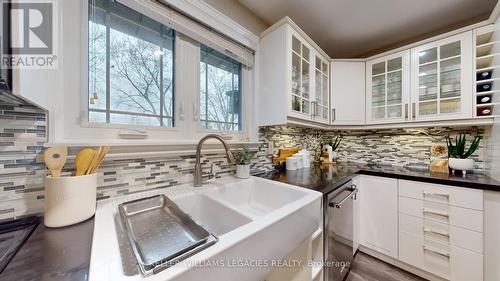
[426,230]
[424,211]
[436,194]
[446,255]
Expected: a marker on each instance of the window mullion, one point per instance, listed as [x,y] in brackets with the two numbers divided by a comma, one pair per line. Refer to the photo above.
[108,67]
[162,96]
[206,95]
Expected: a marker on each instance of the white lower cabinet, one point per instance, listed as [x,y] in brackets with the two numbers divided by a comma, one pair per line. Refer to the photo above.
[434,229]
[379,214]
[441,230]
[442,259]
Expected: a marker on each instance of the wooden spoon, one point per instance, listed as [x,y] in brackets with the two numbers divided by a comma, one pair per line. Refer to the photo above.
[94,162]
[55,158]
[104,151]
[83,160]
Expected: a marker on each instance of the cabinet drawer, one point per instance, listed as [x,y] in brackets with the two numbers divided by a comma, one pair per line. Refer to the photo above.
[412,251]
[456,216]
[441,259]
[449,195]
[456,236]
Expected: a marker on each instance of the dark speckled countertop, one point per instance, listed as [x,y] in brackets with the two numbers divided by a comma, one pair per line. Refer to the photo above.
[53,254]
[325,178]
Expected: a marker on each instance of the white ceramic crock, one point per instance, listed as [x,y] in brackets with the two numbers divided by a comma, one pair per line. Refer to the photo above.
[291,163]
[69,200]
[243,171]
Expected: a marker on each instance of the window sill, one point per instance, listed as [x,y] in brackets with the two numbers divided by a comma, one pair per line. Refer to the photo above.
[142,142]
[154,149]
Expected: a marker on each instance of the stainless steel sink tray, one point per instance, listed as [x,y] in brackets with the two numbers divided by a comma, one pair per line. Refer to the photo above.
[160,233]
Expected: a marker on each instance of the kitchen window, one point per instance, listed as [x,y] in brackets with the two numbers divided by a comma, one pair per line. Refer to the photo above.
[163,75]
[220,93]
[130,67]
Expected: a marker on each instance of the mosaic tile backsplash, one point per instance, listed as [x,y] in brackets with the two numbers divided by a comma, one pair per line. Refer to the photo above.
[23,131]
[401,147]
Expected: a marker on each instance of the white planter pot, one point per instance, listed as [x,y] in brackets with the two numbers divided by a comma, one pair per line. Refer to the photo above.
[463,165]
[335,156]
[243,171]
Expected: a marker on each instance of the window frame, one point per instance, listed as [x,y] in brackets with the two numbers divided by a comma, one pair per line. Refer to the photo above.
[107,110]
[240,113]
[185,126]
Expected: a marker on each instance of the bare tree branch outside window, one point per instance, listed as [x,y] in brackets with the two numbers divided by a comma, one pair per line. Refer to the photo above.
[130,68]
[220,95]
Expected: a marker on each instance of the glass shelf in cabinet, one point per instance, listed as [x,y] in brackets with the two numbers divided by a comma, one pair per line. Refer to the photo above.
[378,68]
[426,56]
[450,50]
[450,106]
[394,64]
[428,97]
[296,44]
[395,111]
[378,112]
[296,103]
[392,102]
[305,106]
[427,108]
[305,53]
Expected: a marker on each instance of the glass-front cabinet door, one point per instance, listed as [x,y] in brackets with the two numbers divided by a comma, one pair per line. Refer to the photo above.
[442,80]
[387,89]
[321,106]
[301,97]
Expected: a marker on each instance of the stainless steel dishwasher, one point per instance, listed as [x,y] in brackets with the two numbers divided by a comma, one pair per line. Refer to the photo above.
[339,235]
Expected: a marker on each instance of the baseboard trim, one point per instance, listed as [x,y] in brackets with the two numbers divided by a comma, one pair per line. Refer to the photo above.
[400,264]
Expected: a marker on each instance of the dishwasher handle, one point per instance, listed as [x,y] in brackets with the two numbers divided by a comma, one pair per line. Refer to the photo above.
[352,195]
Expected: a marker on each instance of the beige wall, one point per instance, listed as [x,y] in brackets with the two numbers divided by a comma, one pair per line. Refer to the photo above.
[239,13]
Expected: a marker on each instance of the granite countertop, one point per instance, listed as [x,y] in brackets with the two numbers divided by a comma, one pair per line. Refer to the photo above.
[55,254]
[325,178]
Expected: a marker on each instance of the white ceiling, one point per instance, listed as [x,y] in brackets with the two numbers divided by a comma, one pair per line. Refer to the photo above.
[357,28]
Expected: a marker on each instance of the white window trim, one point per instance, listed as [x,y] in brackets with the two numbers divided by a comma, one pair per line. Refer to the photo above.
[185,126]
[210,16]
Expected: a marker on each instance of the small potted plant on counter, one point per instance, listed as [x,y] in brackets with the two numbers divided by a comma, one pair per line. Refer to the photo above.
[459,156]
[243,158]
[335,145]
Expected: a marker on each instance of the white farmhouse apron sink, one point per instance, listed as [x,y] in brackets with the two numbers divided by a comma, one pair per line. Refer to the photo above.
[256,220]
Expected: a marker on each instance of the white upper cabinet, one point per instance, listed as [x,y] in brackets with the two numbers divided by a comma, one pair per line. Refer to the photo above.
[294,77]
[301,95]
[388,88]
[442,79]
[348,92]
[321,104]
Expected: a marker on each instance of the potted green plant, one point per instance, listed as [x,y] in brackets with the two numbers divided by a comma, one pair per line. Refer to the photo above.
[335,144]
[243,158]
[459,156]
